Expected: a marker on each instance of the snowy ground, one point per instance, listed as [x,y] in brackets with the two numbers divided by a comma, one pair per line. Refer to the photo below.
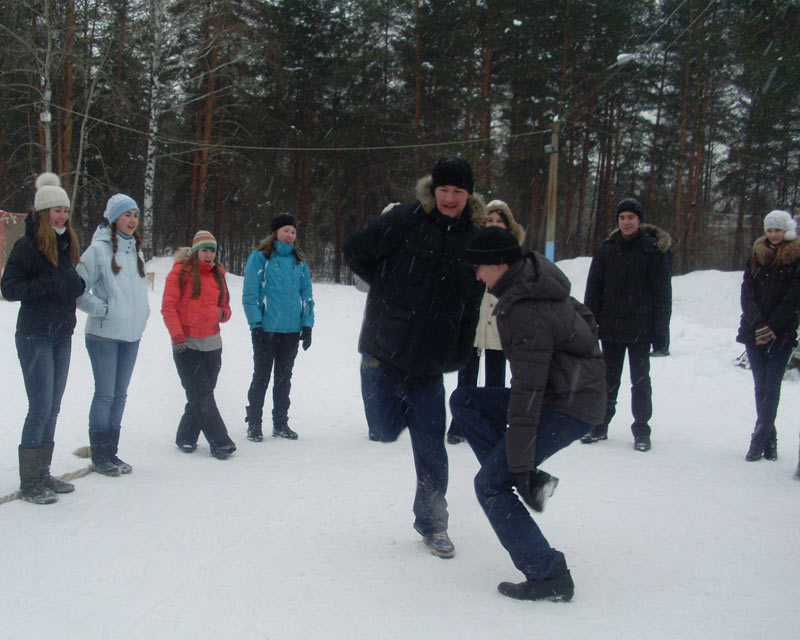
[313,538]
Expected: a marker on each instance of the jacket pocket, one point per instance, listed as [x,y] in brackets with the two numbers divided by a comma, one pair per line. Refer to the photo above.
[393,328]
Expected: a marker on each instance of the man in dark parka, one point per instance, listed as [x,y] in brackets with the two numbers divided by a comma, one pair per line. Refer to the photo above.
[419,322]
[558,392]
[629,291]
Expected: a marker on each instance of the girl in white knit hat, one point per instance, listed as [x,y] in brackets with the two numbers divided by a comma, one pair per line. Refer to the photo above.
[768,327]
[41,275]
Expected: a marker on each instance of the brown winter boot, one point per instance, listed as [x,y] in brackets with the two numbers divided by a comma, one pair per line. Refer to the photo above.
[45,457]
[31,487]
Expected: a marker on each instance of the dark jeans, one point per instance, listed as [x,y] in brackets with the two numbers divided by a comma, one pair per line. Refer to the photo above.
[768,363]
[198,371]
[641,391]
[494,370]
[112,366]
[269,348]
[481,412]
[45,364]
[396,400]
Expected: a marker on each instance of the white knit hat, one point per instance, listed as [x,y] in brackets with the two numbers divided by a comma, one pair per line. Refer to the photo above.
[778,219]
[49,193]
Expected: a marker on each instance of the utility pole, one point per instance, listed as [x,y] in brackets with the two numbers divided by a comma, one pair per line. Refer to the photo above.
[45,118]
[552,193]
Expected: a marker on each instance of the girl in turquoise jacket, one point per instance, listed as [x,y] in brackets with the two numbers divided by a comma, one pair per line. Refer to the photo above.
[279,307]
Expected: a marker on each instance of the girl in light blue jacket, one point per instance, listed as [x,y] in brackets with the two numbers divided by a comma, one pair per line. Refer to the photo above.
[279,306]
[117,307]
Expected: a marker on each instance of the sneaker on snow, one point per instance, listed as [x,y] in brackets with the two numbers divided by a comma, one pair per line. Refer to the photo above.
[642,443]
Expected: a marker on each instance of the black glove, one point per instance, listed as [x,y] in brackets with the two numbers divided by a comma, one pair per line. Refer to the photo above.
[535,487]
[305,336]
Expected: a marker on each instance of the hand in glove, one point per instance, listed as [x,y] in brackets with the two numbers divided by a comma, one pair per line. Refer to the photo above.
[180,347]
[305,336]
[535,487]
[764,335]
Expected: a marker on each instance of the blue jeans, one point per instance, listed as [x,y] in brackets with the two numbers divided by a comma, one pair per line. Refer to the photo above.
[45,364]
[395,400]
[481,414]
[112,366]
[768,363]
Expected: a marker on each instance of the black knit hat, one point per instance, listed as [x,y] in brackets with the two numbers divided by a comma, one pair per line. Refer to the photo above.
[283,219]
[494,245]
[632,205]
[453,171]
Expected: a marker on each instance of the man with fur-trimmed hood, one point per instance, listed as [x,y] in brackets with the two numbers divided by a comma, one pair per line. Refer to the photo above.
[419,322]
[629,291]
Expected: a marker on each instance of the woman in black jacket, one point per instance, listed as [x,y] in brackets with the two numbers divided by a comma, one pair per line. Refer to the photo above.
[40,273]
[768,328]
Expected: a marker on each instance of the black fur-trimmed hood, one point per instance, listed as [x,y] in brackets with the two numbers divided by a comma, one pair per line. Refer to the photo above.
[475,209]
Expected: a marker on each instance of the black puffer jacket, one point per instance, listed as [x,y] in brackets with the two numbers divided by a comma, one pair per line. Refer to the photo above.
[47,292]
[771,292]
[423,302]
[629,288]
[550,340]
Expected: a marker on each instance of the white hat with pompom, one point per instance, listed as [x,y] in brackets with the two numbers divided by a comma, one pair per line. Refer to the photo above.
[49,193]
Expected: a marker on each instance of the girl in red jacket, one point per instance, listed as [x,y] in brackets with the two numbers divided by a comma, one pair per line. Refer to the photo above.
[195,301]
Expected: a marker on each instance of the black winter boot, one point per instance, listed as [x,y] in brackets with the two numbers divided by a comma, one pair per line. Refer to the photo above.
[600,432]
[771,449]
[557,589]
[254,432]
[754,452]
[101,454]
[454,435]
[31,487]
[282,430]
[113,445]
[56,485]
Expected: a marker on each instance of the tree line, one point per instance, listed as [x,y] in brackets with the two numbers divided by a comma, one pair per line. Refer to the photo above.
[219,114]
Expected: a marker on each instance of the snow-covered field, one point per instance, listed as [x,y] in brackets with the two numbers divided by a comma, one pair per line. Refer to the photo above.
[313,538]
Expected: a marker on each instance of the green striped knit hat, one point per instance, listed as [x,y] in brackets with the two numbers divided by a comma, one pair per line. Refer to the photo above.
[203,240]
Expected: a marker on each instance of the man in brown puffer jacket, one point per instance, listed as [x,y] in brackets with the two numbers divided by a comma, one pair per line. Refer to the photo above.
[558,392]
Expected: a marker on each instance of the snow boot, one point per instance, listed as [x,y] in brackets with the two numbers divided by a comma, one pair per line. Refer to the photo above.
[642,443]
[557,589]
[54,484]
[254,432]
[771,449]
[113,445]
[755,452]
[31,486]
[600,432]
[101,454]
[223,452]
[282,430]
[440,544]
[454,435]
